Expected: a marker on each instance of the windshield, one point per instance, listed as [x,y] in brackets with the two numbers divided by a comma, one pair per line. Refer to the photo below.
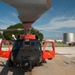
[37,44]
[18,44]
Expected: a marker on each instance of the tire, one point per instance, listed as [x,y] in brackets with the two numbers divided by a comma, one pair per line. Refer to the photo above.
[49,58]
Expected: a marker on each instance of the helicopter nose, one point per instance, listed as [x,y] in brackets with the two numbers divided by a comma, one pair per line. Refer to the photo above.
[25,65]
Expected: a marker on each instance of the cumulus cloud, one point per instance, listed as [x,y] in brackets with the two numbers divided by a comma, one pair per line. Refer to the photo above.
[61,22]
[6,22]
[57,23]
[14,14]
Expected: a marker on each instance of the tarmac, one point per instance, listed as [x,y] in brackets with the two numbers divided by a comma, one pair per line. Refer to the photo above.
[62,64]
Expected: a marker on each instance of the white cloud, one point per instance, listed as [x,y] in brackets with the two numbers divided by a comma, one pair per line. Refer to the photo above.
[61,22]
[2,21]
[14,14]
[57,23]
[6,22]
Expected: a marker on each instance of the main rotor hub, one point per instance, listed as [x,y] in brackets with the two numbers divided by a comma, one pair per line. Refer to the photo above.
[27,26]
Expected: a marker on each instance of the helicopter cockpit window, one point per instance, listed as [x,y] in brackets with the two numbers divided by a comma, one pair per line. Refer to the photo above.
[17,44]
[36,44]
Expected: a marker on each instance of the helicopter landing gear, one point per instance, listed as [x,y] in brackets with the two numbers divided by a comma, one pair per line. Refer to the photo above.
[10,63]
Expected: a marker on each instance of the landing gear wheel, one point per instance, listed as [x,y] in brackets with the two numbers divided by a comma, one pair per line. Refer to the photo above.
[10,63]
[49,58]
[44,61]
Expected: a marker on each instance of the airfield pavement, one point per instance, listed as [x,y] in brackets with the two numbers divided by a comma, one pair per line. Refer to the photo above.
[62,64]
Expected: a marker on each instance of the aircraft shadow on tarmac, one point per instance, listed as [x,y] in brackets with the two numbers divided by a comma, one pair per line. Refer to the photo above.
[10,71]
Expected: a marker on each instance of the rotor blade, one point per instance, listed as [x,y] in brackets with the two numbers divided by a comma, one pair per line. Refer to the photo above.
[11,29]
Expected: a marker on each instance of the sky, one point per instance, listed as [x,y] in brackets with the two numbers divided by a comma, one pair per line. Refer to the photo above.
[59,19]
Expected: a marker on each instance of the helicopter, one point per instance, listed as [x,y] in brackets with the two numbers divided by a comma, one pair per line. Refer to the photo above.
[27,52]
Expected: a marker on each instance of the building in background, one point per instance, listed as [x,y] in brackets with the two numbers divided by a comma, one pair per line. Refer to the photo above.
[59,40]
[68,38]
